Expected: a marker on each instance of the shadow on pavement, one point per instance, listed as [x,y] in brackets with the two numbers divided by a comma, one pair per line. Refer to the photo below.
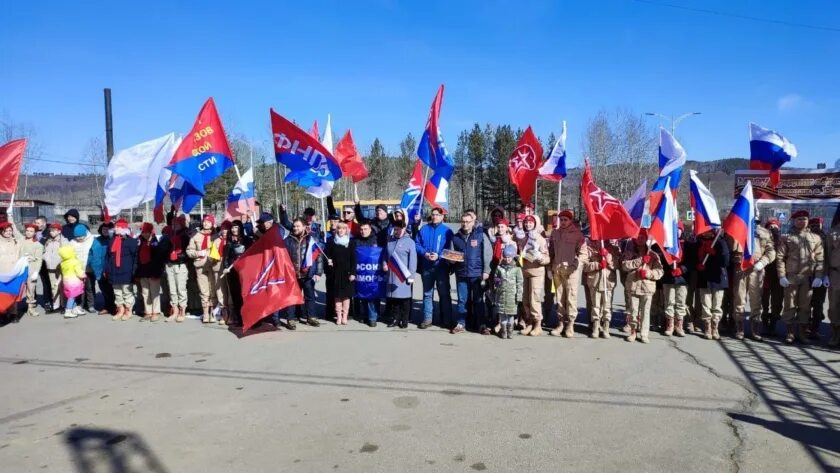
[801,391]
[109,451]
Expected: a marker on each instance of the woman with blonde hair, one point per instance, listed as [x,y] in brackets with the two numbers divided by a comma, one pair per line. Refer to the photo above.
[341,271]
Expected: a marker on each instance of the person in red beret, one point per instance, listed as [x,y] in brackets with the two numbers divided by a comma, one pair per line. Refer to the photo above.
[748,283]
[534,250]
[174,250]
[643,267]
[568,253]
[799,262]
[832,281]
[206,276]
[815,224]
[216,256]
[33,250]
[120,265]
[149,271]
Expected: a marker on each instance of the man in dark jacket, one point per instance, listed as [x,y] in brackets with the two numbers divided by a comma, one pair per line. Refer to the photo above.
[306,259]
[71,218]
[120,264]
[712,280]
[471,273]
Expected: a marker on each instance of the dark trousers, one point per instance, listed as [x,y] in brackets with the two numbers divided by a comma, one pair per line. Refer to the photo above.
[108,294]
[398,309]
[470,302]
[88,299]
[818,304]
[45,280]
[235,291]
[307,309]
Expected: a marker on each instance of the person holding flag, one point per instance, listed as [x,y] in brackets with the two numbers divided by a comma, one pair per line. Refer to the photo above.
[602,260]
[675,285]
[712,259]
[401,264]
[799,261]
[534,250]
[305,255]
[11,250]
[566,247]
[206,276]
[643,268]
[748,276]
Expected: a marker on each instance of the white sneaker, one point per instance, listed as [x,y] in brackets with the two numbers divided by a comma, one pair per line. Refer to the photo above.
[70,314]
[79,311]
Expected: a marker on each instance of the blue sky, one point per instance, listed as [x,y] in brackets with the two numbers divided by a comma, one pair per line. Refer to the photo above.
[376,65]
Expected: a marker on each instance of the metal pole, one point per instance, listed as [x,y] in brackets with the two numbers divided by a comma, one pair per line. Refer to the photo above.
[109,129]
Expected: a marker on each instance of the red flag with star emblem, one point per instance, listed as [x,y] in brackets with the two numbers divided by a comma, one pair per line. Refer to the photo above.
[267,277]
[524,165]
[608,219]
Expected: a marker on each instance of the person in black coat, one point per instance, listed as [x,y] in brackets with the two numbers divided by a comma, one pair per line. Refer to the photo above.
[341,271]
[120,265]
[308,270]
[150,265]
[712,280]
[237,243]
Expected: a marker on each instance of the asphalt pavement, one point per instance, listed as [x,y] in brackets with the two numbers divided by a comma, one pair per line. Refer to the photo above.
[92,395]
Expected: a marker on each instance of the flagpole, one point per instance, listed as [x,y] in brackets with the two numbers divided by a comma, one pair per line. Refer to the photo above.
[422,194]
[356,194]
[201,208]
[706,257]
[559,191]
[604,278]
[536,195]
[11,204]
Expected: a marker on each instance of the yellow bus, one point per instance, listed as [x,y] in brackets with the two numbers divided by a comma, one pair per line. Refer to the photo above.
[368,207]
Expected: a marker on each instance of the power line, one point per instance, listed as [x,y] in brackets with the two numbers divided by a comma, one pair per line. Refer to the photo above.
[740,16]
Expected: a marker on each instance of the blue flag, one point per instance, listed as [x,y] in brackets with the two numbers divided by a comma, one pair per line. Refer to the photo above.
[370,278]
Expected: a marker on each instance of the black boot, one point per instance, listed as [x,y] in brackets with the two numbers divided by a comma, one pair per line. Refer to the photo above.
[503,331]
[312,321]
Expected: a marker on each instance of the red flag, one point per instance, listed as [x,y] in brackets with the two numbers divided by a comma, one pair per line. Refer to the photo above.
[11,157]
[268,279]
[524,165]
[608,219]
[349,158]
[313,132]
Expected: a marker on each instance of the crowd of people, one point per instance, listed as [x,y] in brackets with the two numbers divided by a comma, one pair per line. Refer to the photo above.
[509,276]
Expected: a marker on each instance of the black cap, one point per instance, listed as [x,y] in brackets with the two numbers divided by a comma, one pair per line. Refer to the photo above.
[309,211]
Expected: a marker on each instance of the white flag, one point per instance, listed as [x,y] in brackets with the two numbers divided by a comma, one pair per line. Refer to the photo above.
[133,173]
[326,187]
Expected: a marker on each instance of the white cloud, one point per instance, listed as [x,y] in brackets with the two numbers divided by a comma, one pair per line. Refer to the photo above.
[790,102]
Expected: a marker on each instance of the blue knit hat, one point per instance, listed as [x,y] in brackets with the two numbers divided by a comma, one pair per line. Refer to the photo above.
[509,251]
[79,231]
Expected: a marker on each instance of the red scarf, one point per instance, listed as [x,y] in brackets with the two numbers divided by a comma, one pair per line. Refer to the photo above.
[205,243]
[145,253]
[177,248]
[116,248]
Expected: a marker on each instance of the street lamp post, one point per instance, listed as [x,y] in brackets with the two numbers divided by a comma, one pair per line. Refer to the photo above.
[674,120]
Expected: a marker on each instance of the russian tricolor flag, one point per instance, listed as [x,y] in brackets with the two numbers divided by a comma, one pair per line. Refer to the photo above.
[313,252]
[400,270]
[769,151]
[740,224]
[663,227]
[672,158]
[410,202]
[13,285]
[242,197]
[706,214]
[437,192]
[635,205]
[431,149]
[554,167]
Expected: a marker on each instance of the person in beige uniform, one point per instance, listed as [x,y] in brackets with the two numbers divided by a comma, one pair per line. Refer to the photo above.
[832,281]
[602,260]
[199,251]
[52,241]
[643,268]
[566,247]
[799,261]
[534,251]
[749,282]
[11,245]
[33,250]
